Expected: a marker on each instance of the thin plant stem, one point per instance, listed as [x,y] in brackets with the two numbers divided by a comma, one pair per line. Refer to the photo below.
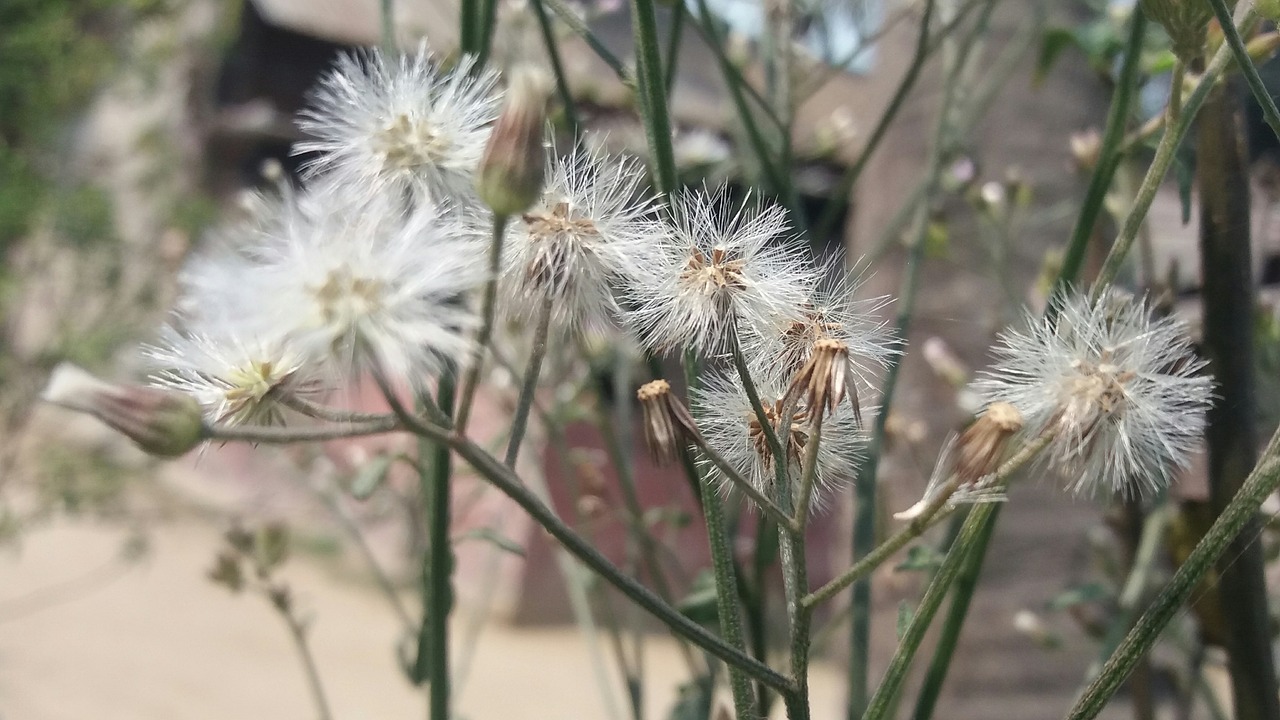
[766,504]
[488,16]
[1109,155]
[388,19]
[728,609]
[282,435]
[510,485]
[557,67]
[488,306]
[469,23]
[650,86]
[529,388]
[839,196]
[671,65]
[579,28]
[1236,43]
[949,636]
[1238,514]
[298,632]
[762,417]
[933,512]
[1174,132]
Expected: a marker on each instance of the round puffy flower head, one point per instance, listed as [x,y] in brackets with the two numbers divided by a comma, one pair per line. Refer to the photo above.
[365,287]
[730,426]
[588,232]
[237,379]
[723,268]
[833,314]
[401,125]
[1121,393]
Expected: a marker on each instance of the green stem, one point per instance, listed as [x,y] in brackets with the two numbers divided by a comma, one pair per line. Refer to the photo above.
[433,647]
[388,27]
[839,196]
[1237,515]
[1250,71]
[1175,130]
[770,508]
[657,119]
[557,67]
[673,47]
[529,388]
[298,632]
[727,606]
[488,306]
[488,19]
[1109,155]
[570,18]
[950,634]
[469,23]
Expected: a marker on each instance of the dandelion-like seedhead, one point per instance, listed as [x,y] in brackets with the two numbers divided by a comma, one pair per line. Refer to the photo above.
[589,232]
[723,268]
[238,380]
[1121,393]
[401,125]
[731,428]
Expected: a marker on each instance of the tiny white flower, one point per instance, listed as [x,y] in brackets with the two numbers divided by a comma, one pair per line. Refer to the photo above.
[589,231]
[401,125]
[366,287]
[1123,394]
[237,379]
[730,426]
[724,268]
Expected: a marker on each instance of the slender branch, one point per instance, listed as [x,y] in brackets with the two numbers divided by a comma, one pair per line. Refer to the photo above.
[744,485]
[1241,511]
[1174,132]
[1109,155]
[657,119]
[280,435]
[579,28]
[520,420]
[1250,71]
[471,380]
[673,48]
[298,632]
[839,196]
[557,67]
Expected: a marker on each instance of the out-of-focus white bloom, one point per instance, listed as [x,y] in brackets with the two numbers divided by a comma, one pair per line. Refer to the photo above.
[359,287]
[730,426]
[1122,394]
[833,311]
[589,231]
[237,379]
[401,124]
[724,268]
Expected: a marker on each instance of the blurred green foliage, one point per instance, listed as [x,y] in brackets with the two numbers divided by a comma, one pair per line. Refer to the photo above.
[53,55]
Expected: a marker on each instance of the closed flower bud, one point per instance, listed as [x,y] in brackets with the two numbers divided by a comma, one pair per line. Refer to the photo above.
[668,426]
[1269,9]
[1185,21]
[160,422]
[981,445]
[511,173]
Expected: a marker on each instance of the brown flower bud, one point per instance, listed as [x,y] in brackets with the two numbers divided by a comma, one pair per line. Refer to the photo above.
[511,173]
[822,381]
[160,422]
[981,445]
[1186,22]
[668,426]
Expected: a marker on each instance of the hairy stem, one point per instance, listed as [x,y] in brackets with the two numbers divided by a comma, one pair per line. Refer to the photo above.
[529,388]
[488,306]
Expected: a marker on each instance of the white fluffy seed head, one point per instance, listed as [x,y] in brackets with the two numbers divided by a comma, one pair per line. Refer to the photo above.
[730,426]
[401,125]
[1123,394]
[725,267]
[590,230]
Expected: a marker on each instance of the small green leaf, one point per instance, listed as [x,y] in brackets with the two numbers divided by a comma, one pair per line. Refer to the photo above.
[921,558]
[1055,41]
[1080,595]
[905,613]
[700,604]
[370,476]
[491,536]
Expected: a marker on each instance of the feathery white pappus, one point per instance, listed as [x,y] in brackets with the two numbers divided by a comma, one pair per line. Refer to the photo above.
[401,125]
[724,267]
[587,234]
[730,426]
[1123,394]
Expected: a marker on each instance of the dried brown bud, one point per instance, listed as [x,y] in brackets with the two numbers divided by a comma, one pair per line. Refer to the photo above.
[823,381]
[1186,22]
[668,426]
[511,172]
[981,445]
[160,422]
